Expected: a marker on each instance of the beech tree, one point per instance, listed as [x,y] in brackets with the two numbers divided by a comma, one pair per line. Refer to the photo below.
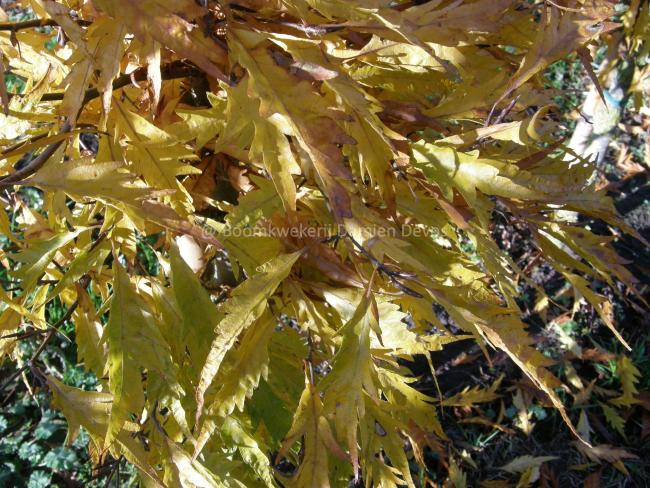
[319,180]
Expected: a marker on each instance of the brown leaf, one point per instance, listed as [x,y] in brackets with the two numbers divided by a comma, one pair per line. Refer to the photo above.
[560,33]
[585,57]
[154,19]
[167,217]
[548,478]
[593,480]
[592,354]
[606,452]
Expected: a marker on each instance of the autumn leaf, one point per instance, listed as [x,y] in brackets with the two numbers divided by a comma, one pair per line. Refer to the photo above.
[134,343]
[268,227]
[310,422]
[246,305]
[562,32]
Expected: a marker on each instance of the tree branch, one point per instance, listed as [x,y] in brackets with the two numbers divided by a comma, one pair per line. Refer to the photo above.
[34,24]
[27,24]
[171,71]
[48,337]
[36,163]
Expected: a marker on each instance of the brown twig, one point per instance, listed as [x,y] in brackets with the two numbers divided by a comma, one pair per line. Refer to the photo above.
[17,145]
[393,276]
[504,113]
[27,24]
[616,185]
[171,71]
[22,335]
[114,470]
[36,163]
[35,24]
[48,337]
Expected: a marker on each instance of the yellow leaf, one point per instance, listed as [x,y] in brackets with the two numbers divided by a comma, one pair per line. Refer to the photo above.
[108,181]
[308,118]
[561,32]
[10,321]
[134,342]
[352,374]
[199,316]
[269,145]
[310,424]
[457,477]
[469,396]
[110,41]
[600,303]
[186,472]
[249,365]
[91,411]
[522,463]
[37,256]
[613,418]
[88,335]
[159,20]
[246,305]
[629,376]
[154,153]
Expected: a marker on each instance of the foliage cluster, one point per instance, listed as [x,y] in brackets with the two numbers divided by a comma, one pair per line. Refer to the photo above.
[313,186]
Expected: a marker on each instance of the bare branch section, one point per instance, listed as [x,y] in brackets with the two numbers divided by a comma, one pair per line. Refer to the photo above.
[34,24]
[173,71]
[27,24]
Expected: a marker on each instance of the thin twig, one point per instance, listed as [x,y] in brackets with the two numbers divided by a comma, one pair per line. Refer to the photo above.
[393,276]
[36,163]
[171,71]
[562,7]
[27,24]
[115,469]
[100,471]
[23,335]
[504,113]
[48,337]
[35,24]
[11,378]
